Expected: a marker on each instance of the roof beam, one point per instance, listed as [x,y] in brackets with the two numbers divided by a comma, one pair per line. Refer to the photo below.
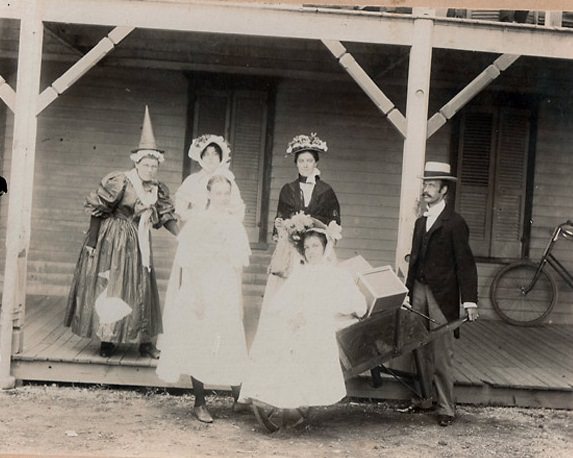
[82,66]
[7,94]
[290,21]
[382,102]
[478,84]
[503,38]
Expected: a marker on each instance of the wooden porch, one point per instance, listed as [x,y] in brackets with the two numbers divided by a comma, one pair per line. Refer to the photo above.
[496,364]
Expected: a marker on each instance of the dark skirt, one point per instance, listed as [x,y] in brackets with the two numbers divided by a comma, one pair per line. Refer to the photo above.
[116,252]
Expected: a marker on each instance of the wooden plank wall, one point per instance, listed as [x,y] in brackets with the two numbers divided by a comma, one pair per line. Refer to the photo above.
[363,163]
[85,134]
[552,203]
[90,130]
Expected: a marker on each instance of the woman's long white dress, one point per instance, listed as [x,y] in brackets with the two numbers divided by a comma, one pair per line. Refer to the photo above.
[203,329]
[192,197]
[294,357]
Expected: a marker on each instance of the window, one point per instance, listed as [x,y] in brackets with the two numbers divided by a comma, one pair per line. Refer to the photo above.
[238,109]
[492,179]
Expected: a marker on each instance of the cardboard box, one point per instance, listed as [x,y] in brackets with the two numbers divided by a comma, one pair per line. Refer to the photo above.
[383,290]
[355,265]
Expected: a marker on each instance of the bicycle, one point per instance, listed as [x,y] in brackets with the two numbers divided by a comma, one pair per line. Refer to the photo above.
[524,293]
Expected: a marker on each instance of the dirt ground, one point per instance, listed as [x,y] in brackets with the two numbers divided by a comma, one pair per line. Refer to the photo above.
[95,421]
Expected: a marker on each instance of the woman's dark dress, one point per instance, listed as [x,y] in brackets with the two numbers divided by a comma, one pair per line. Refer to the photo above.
[117,252]
[323,203]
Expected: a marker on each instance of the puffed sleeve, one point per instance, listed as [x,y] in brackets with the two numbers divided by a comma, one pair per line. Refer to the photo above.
[164,206]
[109,193]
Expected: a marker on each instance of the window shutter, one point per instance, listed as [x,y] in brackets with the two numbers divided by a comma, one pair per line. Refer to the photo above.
[474,176]
[510,181]
[248,131]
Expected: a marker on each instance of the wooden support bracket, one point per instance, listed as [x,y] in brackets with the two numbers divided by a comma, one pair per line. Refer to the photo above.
[7,94]
[366,83]
[82,66]
[478,84]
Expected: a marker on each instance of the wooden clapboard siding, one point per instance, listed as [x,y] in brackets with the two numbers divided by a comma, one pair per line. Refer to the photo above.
[552,203]
[84,135]
[363,163]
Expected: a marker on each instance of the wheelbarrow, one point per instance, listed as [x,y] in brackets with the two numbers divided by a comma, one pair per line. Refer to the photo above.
[367,346]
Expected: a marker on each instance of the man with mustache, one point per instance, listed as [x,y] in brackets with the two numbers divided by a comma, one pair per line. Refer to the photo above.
[442,271]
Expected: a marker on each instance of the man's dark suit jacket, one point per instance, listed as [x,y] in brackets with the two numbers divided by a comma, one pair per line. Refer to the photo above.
[449,266]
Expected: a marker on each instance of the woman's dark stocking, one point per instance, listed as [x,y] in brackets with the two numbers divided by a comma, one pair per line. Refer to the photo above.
[199,392]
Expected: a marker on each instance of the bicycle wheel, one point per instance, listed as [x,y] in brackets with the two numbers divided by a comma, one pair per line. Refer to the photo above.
[510,301]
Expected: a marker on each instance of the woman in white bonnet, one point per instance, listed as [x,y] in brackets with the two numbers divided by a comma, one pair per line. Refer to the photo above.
[213,155]
[204,334]
[206,274]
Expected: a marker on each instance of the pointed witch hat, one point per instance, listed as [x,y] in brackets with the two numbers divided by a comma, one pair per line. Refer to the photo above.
[147,140]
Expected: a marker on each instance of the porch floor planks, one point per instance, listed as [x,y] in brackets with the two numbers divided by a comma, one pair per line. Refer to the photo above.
[41,326]
[554,344]
[533,357]
[535,353]
[489,353]
[483,355]
[525,370]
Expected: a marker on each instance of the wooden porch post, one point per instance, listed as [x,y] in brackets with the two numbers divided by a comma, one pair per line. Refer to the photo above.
[21,175]
[416,131]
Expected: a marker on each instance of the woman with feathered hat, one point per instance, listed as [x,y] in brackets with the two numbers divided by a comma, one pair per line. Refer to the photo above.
[308,195]
[114,292]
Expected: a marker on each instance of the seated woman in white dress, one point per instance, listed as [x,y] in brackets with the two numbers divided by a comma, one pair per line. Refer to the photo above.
[203,329]
[294,357]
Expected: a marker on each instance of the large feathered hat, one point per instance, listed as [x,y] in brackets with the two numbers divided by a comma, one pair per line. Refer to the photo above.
[303,142]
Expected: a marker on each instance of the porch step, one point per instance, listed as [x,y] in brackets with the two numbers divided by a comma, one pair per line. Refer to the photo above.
[54,277]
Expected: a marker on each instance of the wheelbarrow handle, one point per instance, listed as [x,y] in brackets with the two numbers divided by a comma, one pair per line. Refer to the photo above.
[408,307]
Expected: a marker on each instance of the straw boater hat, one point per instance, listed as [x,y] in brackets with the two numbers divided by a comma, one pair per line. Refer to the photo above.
[200,143]
[438,171]
[147,145]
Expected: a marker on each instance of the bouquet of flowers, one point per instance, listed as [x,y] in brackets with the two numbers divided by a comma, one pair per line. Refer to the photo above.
[290,233]
[297,225]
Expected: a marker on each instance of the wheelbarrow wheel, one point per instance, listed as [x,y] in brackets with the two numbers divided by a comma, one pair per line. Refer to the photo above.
[273,419]
[268,417]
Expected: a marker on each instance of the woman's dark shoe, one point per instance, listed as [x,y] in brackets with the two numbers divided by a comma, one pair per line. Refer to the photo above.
[148,349]
[446,420]
[203,414]
[106,349]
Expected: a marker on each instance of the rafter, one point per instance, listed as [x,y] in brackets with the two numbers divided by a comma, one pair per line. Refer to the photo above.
[479,83]
[366,83]
[76,71]
[7,94]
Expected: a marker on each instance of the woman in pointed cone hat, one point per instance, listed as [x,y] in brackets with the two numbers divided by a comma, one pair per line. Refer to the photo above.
[116,257]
